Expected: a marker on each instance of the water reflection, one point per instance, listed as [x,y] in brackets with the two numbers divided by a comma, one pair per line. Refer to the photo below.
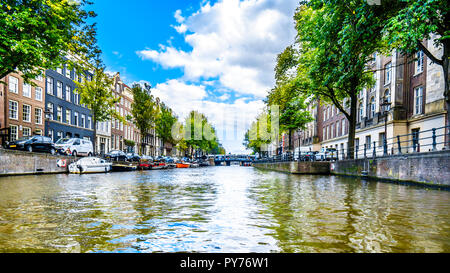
[218,209]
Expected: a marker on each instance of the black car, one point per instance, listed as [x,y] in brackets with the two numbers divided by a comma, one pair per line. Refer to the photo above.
[116,155]
[33,144]
[133,157]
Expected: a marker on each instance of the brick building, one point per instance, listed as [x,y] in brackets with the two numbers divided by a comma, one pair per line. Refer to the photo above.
[22,106]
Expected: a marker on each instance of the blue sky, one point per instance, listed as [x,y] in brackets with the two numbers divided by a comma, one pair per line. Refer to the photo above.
[213,56]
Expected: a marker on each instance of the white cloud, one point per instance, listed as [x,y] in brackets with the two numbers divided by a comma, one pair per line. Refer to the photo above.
[234,45]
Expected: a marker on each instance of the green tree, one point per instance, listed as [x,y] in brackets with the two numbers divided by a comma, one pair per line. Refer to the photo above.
[164,123]
[199,134]
[97,95]
[144,110]
[416,21]
[39,34]
[337,39]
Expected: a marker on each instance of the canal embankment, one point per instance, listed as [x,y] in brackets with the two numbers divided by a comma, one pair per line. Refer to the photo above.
[426,169]
[14,162]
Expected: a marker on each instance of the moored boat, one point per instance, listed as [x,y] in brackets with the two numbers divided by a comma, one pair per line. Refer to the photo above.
[159,166]
[183,165]
[90,165]
[124,167]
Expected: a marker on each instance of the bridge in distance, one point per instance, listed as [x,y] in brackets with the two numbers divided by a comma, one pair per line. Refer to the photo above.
[229,159]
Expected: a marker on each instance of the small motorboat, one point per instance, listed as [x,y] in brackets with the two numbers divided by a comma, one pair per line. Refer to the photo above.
[90,165]
[204,164]
[183,165]
[159,166]
[194,165]
[124,167]
[145,166]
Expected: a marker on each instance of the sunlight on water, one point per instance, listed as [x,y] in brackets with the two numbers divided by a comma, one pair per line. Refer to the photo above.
[218,209]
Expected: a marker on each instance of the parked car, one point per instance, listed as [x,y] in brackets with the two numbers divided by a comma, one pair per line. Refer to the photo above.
[133,157]
[75,146]
[300,153]
[33,144]
[310,156]
[326,154]
[116,155]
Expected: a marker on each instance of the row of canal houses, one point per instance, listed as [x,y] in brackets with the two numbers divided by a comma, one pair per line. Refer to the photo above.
[52,107]
[413,88]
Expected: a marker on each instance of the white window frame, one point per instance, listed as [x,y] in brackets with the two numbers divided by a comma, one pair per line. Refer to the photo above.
[75,118]
[388,73]
[38,93]
[59,113]
[419,63]
[38,115]
[59,89]
[29,112]
[418,100]
[14,133]
[13,85]
[50,85]
[26,129]
[12,110]
[68,116]
[26,90]
[68,93]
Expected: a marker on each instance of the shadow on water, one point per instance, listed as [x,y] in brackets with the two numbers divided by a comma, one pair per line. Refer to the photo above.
[219,209]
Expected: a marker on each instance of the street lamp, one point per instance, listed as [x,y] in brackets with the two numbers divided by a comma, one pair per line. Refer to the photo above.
[386,107]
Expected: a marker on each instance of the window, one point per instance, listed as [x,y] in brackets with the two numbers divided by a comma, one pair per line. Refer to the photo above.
[50,135]
[68,116]
[59,135]
[83,121]
[418,100]
[388,73]
[419,62]
[39,77]
[89,123]
[372,107]
[68,93]
[59,89]
[13,85]
[59,70]
[38,132]
[38,93]
[26,90]
[368,142]
[387,98]
[324,134]
[381,138]
[75,118]
[59,114]
[14,132]
[76,99]
[50,85]
[26,114]
[67,71]
[38,115]
[26,131]
[13,109]
[50,110]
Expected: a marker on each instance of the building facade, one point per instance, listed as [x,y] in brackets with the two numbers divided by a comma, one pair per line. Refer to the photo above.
[65,116]
[22,106]
[406,100]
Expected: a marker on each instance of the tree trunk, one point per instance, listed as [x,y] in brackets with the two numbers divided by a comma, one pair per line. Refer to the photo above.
[445,67]
[352,127]
[94,139]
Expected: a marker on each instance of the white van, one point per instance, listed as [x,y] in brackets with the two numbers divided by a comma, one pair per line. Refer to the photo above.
[75,146]
[300,151]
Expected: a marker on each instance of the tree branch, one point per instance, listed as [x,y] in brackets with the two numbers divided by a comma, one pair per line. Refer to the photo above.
[429,54]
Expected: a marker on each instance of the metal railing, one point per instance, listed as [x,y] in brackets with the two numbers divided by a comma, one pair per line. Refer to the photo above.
[432,140]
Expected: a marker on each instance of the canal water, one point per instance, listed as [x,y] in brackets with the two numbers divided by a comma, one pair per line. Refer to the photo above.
[219,209]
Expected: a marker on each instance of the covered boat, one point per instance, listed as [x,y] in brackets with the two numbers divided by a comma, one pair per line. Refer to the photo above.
[90,165]
[159,166]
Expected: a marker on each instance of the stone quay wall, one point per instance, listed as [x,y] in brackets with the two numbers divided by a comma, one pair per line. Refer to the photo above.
[425,169]
[24,163]
[428,169]
[296,167]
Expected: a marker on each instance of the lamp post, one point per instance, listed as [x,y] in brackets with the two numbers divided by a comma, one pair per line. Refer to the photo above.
[385,106]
